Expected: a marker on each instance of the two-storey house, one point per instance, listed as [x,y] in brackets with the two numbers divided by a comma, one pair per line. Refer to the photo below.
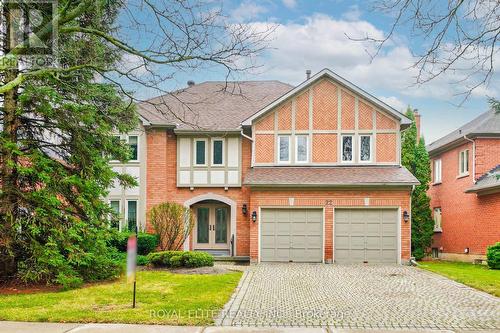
[272,172]
[465,189]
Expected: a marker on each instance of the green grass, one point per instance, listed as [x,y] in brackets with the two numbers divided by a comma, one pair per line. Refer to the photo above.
[162,298]
[476,276]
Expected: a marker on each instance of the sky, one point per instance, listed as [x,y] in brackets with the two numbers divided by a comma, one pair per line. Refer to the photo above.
[315,35]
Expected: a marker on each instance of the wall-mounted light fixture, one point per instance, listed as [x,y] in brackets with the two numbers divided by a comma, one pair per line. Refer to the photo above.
[254,216]
[244,209]
[406,216]
[466,250]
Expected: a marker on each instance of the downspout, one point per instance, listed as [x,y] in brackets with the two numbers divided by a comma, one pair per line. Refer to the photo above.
[473,158]
[245,136]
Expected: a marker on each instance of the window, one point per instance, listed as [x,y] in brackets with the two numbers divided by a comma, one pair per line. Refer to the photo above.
[365,148]
[437,171]
[200,152]
[218,152]
[437,219]
[115,207]
[347,148]
[116,142]
[301,153]
[463,163]
[134,147]
[131,215]
[284,148]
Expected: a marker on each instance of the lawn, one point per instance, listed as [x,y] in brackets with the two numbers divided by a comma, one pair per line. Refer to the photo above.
[162,298]
[476,276]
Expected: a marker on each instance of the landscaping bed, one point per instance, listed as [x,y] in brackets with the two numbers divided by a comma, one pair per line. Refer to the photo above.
[477,276]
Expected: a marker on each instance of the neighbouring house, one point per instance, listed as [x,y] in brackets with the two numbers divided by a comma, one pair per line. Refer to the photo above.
[273,172]
[465,189]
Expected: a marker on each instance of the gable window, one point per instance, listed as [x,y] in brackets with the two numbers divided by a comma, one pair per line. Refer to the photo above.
[133,141]
[301,147]
[437,220]
[365,148]
[284,148]
[132,215]
[437,171]
[347,148]
[463,163]
[200,152]
[217,152]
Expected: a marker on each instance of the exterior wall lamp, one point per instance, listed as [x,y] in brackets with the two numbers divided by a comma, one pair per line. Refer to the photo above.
[254,216]
[244,209]
[406,216]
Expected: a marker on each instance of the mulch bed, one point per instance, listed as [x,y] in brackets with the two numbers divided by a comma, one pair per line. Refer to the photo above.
[13,287]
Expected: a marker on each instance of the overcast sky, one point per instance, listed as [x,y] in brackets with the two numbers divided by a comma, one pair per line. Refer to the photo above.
[313,35]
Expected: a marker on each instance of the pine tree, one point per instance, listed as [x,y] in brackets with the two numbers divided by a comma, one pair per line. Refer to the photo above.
[415,158]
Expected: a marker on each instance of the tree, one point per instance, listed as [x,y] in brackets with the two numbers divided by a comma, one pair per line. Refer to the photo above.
[415,158]
[460,36]
[172,223]
[59,120]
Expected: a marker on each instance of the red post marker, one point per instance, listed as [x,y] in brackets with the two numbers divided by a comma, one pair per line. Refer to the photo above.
[132,262]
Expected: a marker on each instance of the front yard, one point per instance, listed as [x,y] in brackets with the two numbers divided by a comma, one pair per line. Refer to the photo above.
[162,298]
[476,276]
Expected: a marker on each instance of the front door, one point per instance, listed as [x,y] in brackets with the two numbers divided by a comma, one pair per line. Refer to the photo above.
[211,229]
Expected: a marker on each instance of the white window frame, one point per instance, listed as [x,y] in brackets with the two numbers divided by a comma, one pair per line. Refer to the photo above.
[195,150]
[120,138]
[359,148]
[306,136]
[437,174]
[125,220]
[138,147]
[213,150]
[438,227]
[353,153]
[289,149]
[462,162]
[120,217]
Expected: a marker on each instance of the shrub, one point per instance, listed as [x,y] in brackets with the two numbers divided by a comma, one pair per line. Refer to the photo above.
[142,260]
[418,253]
[146,243]
[176,261]
[197,259]
[493,256]
[172,223]
[180,259]
[69,282]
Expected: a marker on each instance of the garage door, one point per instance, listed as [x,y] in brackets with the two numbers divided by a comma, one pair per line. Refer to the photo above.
[366,235]
[291,235]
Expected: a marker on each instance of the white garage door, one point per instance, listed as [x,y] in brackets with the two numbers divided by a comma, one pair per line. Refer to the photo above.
[291,235]
[366,236]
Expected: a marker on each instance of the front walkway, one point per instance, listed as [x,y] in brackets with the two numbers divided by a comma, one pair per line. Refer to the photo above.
[384,297]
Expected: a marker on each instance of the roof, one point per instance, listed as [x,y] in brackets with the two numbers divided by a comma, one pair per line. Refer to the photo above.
[211,105]
[486,124]
[405,121]
[329,176]
[487,183]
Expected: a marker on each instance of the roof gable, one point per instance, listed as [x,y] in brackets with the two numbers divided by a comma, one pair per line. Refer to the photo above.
[339,80]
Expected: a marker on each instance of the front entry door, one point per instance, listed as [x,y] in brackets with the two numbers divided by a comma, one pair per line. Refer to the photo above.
[212,227]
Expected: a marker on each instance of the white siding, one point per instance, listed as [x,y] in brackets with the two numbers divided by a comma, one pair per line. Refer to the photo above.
[185,152]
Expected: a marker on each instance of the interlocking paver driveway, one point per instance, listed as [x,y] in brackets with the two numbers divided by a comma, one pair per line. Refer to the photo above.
[357,297]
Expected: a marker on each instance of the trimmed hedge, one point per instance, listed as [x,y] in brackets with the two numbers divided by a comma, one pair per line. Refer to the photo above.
[493,256]
[180,259]
[146,243]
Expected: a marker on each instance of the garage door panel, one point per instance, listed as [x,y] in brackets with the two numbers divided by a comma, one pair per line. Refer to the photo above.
[365,235]
[296,235]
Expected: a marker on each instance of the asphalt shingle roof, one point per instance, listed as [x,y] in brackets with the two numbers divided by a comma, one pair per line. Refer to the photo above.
[489,180]
[212,105]
[329,176]
[486,123]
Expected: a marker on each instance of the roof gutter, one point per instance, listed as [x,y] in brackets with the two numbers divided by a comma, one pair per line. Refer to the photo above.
[473,158]
[326,185]
[245,136]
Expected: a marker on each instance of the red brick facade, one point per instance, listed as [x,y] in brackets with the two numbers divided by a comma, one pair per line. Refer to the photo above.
[467,220]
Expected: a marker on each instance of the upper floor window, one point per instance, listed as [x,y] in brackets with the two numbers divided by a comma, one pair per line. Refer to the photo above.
[301,149]
[200,152]
[347,148]
[284,148]
[133,143]
[365,148]
[217,152]
[463,163]
[437,171]
[437,219]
